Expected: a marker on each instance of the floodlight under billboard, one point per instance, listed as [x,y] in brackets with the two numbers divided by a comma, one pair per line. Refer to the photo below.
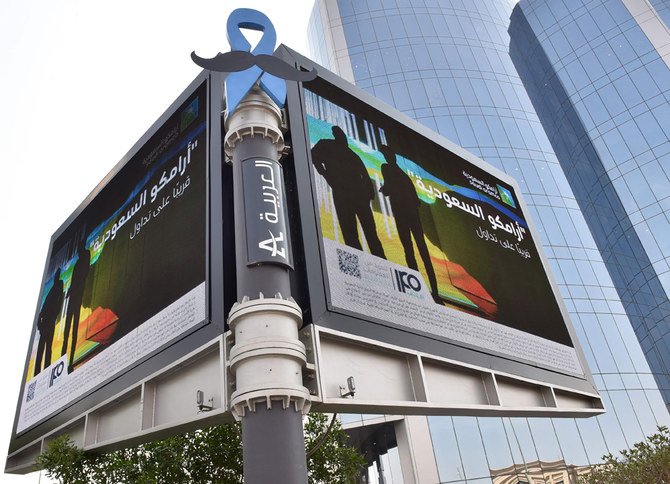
[127,285]
[413,243]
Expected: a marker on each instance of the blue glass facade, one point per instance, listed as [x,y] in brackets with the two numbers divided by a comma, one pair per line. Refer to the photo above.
[447,64]
[662,8]
[602,91]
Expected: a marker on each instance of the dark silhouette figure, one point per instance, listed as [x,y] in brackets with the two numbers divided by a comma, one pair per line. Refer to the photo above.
[352,189]
[46,322]
[405,205]
[75,295]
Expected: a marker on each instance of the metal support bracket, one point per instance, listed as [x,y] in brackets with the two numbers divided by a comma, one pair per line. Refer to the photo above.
[267,355]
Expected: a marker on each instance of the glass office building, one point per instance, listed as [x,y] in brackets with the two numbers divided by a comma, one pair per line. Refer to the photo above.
[601,87]
[446,63]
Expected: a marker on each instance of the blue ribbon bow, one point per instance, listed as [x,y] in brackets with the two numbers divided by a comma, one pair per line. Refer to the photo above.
[238,84]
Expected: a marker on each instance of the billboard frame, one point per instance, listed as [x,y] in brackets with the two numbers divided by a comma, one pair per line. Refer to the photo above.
[218,283]
[206,341]
[315,298]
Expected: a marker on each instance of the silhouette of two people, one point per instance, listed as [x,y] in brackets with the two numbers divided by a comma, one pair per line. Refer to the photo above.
[405,203]
[76,294]
[352,189]
[46,322]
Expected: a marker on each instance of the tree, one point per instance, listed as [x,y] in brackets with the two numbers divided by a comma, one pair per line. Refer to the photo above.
[646,463]
[210,455]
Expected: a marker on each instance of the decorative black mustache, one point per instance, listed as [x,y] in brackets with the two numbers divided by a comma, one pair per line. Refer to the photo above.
[239,60]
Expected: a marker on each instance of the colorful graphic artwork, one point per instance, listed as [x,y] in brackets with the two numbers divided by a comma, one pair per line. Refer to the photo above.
[399,213]
[126,276]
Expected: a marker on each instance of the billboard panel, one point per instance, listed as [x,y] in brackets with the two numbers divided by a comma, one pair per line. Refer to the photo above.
[421,244]
[126,274]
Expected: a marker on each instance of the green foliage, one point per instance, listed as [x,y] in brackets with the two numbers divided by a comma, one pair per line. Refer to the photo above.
[646,463]
[211,455]
[64,461]
[330,459]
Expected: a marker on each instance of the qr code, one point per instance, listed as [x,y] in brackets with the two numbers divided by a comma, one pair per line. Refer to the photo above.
[31,391]
[348,263]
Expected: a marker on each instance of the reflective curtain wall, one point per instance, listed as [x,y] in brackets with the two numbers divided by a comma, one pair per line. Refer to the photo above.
[602,91]
[446,63]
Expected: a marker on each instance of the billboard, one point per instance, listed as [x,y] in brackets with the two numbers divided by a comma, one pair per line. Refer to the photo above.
[126,274]
[422,245]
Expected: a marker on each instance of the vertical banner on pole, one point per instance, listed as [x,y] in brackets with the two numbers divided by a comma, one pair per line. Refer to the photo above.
[265,208]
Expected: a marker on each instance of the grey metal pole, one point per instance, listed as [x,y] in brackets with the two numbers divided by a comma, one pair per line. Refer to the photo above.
[267,357]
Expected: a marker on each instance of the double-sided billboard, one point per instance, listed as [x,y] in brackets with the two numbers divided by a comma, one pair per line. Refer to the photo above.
[403,243]
[126,273]
[424,240]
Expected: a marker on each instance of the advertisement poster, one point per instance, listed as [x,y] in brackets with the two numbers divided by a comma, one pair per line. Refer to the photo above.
[127,275]
[418,238]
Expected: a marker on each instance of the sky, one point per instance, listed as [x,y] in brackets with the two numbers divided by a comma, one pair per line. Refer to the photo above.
[80,82]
